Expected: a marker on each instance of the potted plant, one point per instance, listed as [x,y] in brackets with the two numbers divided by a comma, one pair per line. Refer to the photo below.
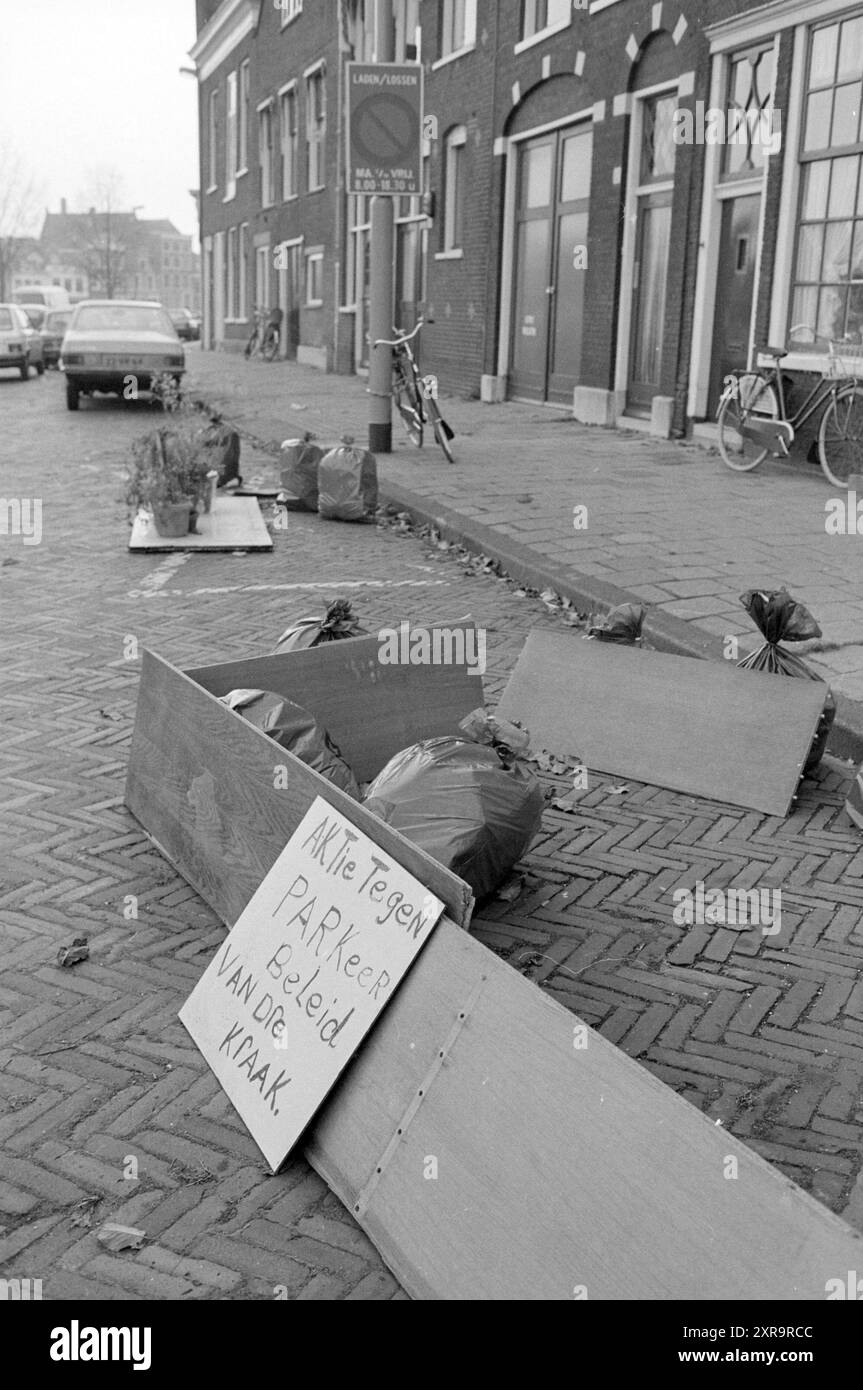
[170,469]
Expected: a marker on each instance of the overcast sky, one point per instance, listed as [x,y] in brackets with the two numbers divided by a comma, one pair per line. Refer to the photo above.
[93,85]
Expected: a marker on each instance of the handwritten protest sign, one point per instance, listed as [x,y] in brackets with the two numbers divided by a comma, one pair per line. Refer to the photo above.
[312,961]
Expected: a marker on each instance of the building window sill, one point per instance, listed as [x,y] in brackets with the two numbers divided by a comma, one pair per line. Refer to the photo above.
[290,197]
[451,57]
[229,197]
[319,189]
[314,304]
[454,255]
[242,172]
[214,188]
[543,34]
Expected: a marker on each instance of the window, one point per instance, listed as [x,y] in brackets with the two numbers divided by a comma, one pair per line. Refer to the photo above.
[262,277]
[242,270]
[457,26]
[212,139]
[314,279]
[316,127]
[828,278]
[290,144]
[658,149]
[231,275]
[265,143]
[453,190]
[538,16]
[408,38]
[231,136]
[749,108]
[290,9]
[243,120]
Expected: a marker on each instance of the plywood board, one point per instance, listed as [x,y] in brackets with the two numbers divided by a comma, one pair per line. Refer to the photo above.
[562,1165]
[234,523]
[373,711]
[316,956]
[201,780]
[693,726]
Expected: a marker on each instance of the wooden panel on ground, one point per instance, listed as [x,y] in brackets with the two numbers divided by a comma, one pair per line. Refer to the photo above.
[235,523]
[556,1166]
[673,721]
[201,780]
[372,711]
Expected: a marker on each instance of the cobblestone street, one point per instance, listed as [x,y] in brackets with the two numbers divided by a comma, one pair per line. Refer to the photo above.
[764,1034]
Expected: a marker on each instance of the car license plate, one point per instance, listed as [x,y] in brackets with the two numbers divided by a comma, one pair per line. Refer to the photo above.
[110,359]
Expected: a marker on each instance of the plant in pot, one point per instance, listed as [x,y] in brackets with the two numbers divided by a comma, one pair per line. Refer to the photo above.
[169,476]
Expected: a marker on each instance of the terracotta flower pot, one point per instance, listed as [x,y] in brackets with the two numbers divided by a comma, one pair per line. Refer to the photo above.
[172,519]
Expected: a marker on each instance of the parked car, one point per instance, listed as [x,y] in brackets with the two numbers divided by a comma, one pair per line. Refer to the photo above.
[118,346]
[51,296]
[20,343]
[53,331]
[187,326]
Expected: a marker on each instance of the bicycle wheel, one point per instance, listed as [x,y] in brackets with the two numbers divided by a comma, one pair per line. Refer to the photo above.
[409,406]
[251,344]
[442,432]
[840,436]
[271,346]
[755,400]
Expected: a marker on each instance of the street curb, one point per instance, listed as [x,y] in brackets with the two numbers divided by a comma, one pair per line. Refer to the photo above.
[665,632]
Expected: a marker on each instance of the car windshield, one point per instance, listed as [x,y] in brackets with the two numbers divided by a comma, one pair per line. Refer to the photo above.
[6,318]
[35,313]
[58,322]
[130,318]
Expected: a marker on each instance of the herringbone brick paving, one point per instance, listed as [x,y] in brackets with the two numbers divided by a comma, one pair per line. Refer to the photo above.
[107,1110]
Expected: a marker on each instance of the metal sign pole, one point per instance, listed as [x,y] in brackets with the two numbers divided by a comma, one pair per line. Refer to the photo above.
[381,288]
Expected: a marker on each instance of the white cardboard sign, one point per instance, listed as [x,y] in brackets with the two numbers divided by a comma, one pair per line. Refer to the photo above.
[301,978]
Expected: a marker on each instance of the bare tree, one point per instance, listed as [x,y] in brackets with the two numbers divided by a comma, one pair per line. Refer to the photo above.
[99,247]
[20,202]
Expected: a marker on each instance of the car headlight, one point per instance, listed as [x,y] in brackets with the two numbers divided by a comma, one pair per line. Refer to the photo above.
[73,359]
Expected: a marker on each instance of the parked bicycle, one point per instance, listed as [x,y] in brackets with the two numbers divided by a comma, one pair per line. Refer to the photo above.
[415,396]
[754,420]
[265,335]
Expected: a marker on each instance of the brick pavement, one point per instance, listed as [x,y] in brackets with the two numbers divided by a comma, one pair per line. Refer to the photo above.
[765,1035]
[668,522]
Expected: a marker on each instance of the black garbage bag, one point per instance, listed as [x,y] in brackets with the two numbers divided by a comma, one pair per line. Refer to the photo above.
[299,475]
[335,625]
[458,801]
[622,625]
[293,728]
[780,618]
[347,483]
[223,449]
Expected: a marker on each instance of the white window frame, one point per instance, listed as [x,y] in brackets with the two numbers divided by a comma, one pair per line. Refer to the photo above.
[291,10]
[313,254]
[243,99]
[230,137]
[268,190]
[469,32]
[455,139]
[243,270]
[231,276]
[290,90]
[212,139]
[262,273]
[556,26]
[403,37]
[318,72]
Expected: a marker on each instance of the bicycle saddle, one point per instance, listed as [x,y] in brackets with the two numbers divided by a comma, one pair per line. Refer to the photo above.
[776,352]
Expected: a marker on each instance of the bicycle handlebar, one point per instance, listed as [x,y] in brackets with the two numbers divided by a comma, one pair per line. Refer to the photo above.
[401,339]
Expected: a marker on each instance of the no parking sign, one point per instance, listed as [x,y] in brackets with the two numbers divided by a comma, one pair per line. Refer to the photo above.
[385,122]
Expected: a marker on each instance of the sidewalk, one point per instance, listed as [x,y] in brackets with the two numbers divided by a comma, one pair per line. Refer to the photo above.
[668,524]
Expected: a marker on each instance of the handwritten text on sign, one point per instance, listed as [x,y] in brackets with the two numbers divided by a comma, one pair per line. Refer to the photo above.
[315,956]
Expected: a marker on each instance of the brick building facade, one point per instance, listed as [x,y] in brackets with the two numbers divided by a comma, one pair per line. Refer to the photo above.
[627,199]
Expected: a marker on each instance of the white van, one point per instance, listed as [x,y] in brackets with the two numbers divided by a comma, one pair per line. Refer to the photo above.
[52,296]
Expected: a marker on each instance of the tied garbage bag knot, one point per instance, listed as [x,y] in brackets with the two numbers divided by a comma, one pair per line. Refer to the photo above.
[780,618]
[338,623]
